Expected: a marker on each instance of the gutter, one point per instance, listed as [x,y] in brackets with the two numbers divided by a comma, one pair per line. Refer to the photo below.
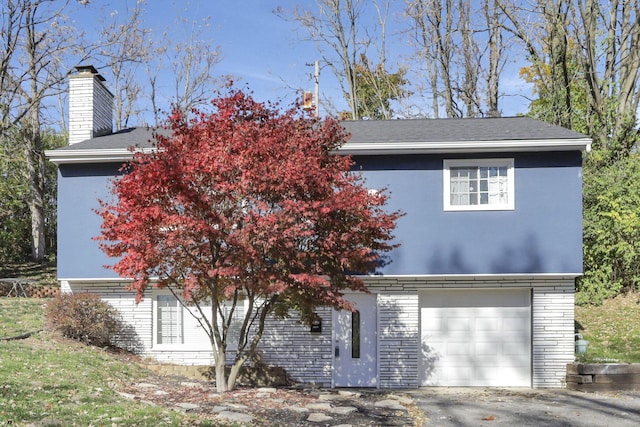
[97,155]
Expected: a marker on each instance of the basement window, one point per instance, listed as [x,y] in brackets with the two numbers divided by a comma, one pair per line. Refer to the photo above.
[169,320]
[177,325]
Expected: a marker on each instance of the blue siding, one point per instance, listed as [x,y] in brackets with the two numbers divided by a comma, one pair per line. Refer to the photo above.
[542,235]
[79,188]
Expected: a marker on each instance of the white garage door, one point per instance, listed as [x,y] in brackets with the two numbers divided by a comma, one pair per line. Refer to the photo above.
[476,338]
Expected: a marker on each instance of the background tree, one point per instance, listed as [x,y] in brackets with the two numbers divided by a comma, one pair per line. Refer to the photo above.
[610,34]
[127,46]
[347,45]
[247,202]
[191,65]
[611,231]
[40,45]
[544,104]
[496,56]
[335,27]
[548,53]
[585,68]
[461,77]
[37,38]
[376,89]
[601,38]
[15,223]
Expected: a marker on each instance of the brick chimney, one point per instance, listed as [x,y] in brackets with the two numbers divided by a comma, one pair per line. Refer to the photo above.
[90,105]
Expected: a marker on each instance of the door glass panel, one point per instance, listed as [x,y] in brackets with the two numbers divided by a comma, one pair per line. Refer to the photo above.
[355,335]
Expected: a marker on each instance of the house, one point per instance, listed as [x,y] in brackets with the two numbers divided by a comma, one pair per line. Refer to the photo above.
[480,292]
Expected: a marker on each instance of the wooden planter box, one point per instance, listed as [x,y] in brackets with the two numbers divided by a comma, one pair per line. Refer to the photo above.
[603,377]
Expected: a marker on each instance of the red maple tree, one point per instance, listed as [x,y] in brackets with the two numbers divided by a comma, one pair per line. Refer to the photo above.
[247,202]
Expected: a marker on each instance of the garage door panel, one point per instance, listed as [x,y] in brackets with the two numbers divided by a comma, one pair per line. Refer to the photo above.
[465,343]
[486,349]
[515,325]
[512,349]
[488,298]
[432,325]
[457,324]
[453,373]
[488,324]
[458,349]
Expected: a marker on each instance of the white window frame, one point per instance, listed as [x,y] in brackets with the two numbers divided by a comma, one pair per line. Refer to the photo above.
[183,342]
[179,317]
[448,164]
[238,314]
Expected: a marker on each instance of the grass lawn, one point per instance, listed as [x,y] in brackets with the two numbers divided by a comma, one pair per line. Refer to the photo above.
[46,380]
[612,329]
[42,274]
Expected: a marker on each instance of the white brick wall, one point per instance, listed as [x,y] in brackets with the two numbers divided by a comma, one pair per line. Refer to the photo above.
[552,315]
[90,107]
[553,333]
[137,318]
[398,338]
[287,343]
[307,356]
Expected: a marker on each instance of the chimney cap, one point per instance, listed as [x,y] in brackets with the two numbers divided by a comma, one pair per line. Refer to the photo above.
[90,69]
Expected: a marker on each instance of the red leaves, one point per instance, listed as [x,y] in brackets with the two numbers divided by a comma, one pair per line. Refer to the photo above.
[247,197]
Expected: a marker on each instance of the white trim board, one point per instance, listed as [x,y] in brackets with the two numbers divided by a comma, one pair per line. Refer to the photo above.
[96,155]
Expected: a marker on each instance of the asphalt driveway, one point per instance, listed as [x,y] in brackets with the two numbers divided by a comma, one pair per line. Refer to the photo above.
[448,407]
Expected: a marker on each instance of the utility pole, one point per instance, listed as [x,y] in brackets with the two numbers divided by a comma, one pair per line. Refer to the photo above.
[314,103]
[316,92]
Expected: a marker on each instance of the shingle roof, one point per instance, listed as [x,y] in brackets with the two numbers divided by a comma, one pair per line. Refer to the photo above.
[137,137]
[387,131]
[377,137]
[443,130]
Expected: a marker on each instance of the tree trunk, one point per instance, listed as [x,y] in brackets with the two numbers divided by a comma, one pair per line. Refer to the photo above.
[556,20]
[35,167]
[34,155]
[221,375]
[495,53]
[233,374]
[445,53]
[471,62]
[36,207]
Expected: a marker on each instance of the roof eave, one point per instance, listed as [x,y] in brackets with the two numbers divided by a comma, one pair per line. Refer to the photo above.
[93,155]
[386,148]
[359,148]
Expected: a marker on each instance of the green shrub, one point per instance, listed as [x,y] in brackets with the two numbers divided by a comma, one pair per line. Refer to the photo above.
[83,317]
[611,230]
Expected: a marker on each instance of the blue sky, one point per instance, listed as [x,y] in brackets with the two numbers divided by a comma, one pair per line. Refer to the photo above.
[266,52]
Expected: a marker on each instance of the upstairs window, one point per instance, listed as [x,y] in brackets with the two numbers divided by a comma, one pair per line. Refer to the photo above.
[486,184]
